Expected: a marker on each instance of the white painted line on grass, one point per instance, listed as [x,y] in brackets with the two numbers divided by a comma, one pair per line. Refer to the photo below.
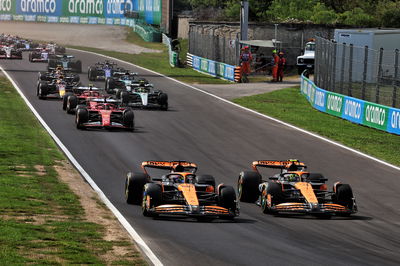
[139,241]
[254,112]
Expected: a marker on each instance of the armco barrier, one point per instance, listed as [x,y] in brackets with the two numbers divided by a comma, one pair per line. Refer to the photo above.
[210,67]
[355,110]
[108,12]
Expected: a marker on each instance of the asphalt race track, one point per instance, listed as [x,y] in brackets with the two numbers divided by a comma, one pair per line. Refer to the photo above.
[223,140]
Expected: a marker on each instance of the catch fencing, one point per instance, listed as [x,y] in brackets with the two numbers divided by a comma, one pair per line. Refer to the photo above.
[359,72]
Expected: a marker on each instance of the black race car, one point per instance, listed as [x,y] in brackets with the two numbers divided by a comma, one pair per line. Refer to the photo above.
[103,70]
[55,87]
[66,62]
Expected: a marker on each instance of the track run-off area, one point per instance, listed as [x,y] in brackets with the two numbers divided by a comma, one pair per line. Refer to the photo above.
[223,139]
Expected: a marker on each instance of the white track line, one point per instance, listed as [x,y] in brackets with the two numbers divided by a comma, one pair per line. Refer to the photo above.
[139,241]
[254,112]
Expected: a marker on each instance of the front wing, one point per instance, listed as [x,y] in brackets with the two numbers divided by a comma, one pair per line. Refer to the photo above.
[192,211]
[320,208]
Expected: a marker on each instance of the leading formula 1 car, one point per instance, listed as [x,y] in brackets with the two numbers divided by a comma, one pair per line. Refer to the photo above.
[294,190]
[104,113]
[180,192]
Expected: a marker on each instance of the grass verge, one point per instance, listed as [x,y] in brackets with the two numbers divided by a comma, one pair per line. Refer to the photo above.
[158,62]
[290,106]
[41,220]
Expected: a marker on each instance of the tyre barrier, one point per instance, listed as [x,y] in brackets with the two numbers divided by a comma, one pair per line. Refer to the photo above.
[238,74]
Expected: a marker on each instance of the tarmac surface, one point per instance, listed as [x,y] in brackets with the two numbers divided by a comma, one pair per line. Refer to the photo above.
[223,140]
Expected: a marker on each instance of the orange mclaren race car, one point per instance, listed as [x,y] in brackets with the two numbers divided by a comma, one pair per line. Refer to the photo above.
[180,192]
[294,190]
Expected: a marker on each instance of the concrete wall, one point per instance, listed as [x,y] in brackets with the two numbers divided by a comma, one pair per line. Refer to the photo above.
[216,40]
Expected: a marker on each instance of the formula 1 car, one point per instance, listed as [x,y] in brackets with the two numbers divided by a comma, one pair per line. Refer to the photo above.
[143,96]
[103,70]
[122,80]
[9,52]
[57,73]
[67,63]
[294,190]
[104,113]
[55,87]
[41,55]
[80,96]
[180,192]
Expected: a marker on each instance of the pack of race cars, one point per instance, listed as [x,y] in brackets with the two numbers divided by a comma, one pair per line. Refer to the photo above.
[180,191]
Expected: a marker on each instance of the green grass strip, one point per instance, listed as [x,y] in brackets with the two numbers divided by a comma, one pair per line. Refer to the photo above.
[290,106]
[158,62]
[41,219]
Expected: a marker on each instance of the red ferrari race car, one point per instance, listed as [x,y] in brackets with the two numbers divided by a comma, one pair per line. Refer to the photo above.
[10,52]
[80,96]
[104,113]
[180,192]
[294,190]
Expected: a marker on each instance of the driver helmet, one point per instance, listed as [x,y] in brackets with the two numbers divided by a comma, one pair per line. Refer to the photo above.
[292,177]
[178,179]
[142,82]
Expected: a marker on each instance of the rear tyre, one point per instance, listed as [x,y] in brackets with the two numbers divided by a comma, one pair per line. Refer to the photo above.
[152,197]
[134,186]
[248,183]
[92,74]
[128,118]
[42,90]
[65,99]
[124,97]
[72,102]
[78,66]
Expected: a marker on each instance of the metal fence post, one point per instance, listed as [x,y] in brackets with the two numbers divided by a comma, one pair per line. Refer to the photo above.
[379,75]
[350,85]
[326,64]
[364,82]
[396,72]
[317,61]
[333,80]
[342,69]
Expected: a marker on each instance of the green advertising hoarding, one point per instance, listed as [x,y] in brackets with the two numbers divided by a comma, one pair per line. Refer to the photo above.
[334,103]
[157,9]
[7,7]
[375,115]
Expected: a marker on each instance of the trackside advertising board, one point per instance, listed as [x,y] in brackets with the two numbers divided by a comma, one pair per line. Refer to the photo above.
[213,68]
[80,11]
[355,110]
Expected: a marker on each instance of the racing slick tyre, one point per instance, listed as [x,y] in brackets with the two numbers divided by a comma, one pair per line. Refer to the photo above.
[134,186]
[77,66]
[227,199]
[344,196]
[124,95]
[128,119]
[42,89]
[92,74]
[110,85]
[52,64]
[30,56]
[206,180]
[163,101]
[248,183]
[271,196]
[72,102]
[82,116]
[118,93]
[65,99]
[152,197]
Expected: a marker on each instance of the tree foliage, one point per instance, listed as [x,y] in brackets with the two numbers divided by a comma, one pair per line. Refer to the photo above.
[367,13]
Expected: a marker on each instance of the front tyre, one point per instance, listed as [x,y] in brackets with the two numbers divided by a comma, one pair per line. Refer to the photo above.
[134,186]
[152,197]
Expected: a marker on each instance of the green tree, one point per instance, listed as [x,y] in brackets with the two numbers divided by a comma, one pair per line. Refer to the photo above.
[357,17]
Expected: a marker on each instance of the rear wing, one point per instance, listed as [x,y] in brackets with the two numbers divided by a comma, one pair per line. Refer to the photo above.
[170,165]
[289,165]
